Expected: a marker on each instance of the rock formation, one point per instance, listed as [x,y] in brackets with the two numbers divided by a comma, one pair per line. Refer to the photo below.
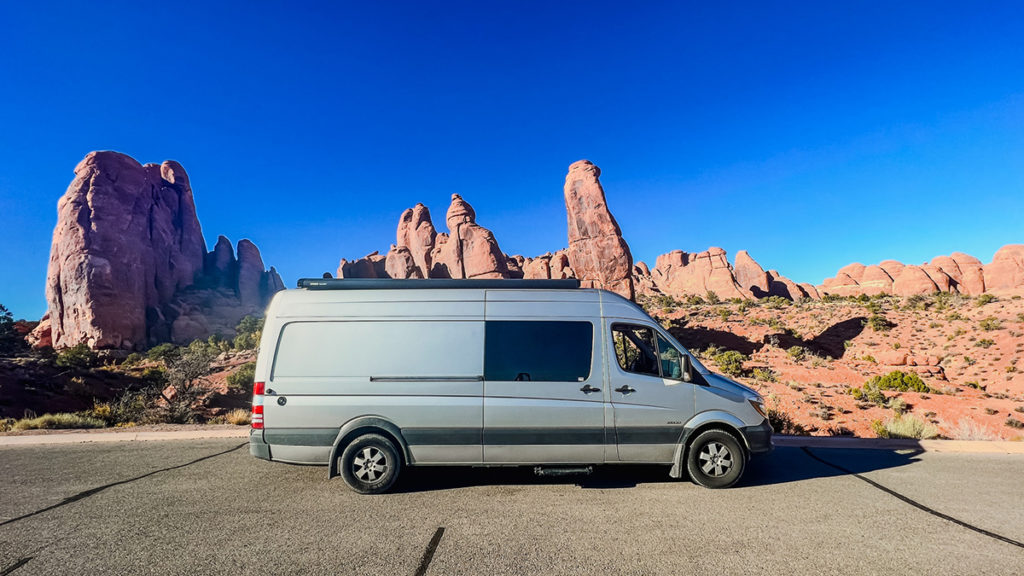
[680,273]
[957,273]
[1006,271]
[751,276]
[126,249]
[470,250]
[597,252]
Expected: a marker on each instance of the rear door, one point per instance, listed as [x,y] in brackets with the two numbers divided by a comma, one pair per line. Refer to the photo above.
[544,397]
[650,401]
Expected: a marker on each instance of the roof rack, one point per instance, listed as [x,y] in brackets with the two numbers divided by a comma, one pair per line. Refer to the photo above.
[433,284]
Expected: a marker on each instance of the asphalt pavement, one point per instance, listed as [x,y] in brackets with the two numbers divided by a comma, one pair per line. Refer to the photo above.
[207,507]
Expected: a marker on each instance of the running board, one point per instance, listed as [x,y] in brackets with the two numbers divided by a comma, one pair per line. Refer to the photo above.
[563,470]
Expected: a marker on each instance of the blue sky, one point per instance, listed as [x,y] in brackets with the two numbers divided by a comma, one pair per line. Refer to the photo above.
[812,134]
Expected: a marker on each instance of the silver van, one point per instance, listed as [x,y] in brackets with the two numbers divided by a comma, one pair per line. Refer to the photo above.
[370,376]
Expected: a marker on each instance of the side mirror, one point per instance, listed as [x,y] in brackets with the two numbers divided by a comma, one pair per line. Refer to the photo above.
[687,369]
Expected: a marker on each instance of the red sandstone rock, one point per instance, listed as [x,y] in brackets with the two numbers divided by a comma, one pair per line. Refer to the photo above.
[400,263]
[874,280]
[597,252]
[679,274]
[469,250]
[784,287]
[972,279]
[942,280]
[127,245]
[913,280]
[892,268]
[416,232]
[373,265]
[751,276]
[1006,271]
[892,357]
[854,271]
[810,290]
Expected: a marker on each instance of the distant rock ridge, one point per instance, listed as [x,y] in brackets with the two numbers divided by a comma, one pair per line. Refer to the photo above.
[129,267]
[957,273]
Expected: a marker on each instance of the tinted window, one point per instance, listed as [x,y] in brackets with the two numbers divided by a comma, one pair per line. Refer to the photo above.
[538,351]
[671,360]
[635,349]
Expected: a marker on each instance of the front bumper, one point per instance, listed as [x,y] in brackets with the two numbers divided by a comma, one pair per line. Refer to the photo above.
[759,438]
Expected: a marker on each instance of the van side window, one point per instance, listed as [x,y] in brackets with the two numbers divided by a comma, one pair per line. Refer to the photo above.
[538,351]
[635,349]
[671,360]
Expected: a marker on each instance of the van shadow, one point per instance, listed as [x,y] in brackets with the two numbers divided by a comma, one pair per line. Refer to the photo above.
[830,343]
[783,466]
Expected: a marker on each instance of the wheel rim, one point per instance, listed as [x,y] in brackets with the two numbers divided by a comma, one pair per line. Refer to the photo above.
[715,459]
[370,464]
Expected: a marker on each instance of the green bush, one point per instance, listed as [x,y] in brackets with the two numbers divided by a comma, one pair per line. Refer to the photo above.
[248,331]
[990,323]
[984,343]
[905,426]
[765,374]
[776,302]
[730,362]
[984,299]
[879,323]
[162,353]
[132,359]
[797,353]
[243,377]
[78,357]
[10,340]
[61,420]
[712,298]
[1014,423]
[694,300]
[900,381]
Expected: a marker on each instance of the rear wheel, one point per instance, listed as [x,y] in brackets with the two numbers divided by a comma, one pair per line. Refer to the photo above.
[370,464]
[715,459]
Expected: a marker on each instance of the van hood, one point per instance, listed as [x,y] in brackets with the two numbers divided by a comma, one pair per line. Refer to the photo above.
[730,386]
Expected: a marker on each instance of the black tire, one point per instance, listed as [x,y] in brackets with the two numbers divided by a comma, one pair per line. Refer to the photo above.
[715,459]
[370,464]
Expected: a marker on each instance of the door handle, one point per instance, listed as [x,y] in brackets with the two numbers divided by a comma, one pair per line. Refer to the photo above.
[588,389]
[625,389]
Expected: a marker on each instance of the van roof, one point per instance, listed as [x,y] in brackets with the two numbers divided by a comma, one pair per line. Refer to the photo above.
[434,284]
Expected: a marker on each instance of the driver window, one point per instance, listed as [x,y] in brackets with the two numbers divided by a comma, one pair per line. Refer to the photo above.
[635,349]
[671,360]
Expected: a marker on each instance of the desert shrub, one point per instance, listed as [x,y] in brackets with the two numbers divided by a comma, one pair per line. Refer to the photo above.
[879,323]
[984,299]
[823,412]
[984,343]
[60,420]
[10,340]
[900,381]
[133,359]
[975,385]
[916,302]
[724,314]
[162,353]
[765,374]
[897,405]
[782,423]
[776,302]
[991,411]
[186,374]
[248,331]
[243,377]
[1014,423]
[869,358]
[990,323]
[905,426]
[730,362]
[238,417]
[694,300]
[743,306]
[971,430]
[78,357]
[1020,317]
[797,353]
[712,298]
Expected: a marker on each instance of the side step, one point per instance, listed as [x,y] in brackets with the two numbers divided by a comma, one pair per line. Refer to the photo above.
[563,470]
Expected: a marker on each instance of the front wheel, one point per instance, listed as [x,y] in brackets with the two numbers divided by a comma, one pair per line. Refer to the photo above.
[715,459]
[370,464]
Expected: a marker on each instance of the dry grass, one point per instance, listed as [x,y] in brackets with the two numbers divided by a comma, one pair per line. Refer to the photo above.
[970,430]
[61,420]
[238,417]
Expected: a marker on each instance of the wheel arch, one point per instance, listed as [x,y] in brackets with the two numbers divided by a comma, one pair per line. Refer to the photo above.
[710,420]
[367,425]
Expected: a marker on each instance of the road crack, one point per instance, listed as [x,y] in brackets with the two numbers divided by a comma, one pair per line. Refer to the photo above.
[915,503]
[93,491]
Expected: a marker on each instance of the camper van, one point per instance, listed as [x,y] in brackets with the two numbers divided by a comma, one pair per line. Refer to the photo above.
[369,377]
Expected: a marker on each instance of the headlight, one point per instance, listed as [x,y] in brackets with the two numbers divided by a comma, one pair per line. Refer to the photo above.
[758,405]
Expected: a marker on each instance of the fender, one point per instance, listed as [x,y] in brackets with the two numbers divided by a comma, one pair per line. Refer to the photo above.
[692,425]
[370,422]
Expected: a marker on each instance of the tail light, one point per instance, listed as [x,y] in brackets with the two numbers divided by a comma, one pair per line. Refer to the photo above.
[257,405]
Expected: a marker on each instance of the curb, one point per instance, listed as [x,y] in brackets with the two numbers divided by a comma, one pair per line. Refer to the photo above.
[949,446]
[82,438]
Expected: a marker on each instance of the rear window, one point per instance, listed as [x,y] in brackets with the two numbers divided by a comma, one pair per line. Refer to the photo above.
[538,351]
